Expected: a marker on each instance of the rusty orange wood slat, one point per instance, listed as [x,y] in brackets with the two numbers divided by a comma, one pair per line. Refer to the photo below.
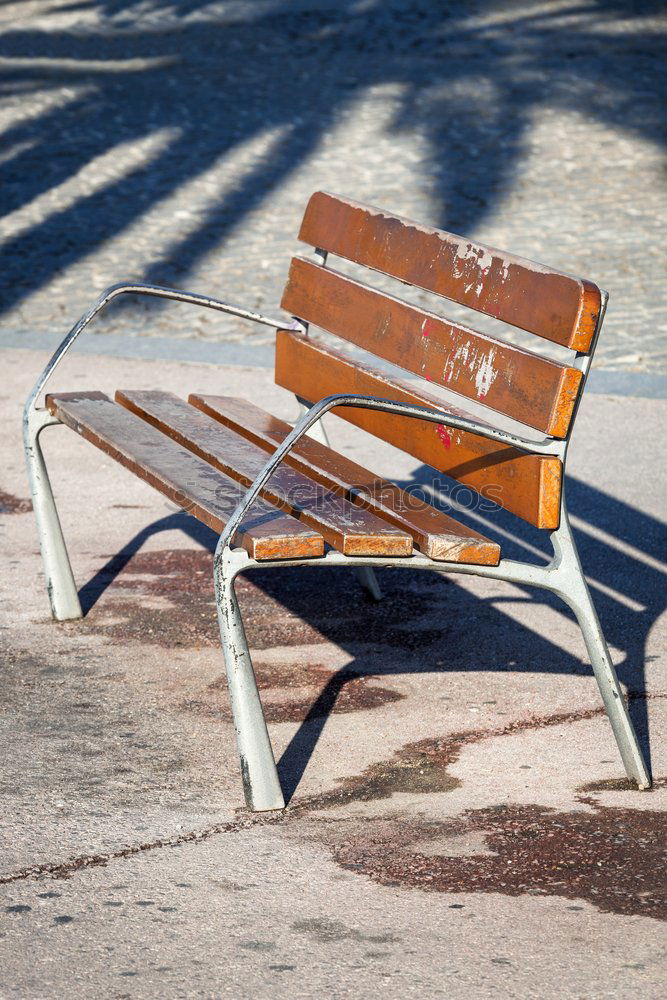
[348,528]
[527,485]
[186,480]
[553,305]
[529,388]
[436,534]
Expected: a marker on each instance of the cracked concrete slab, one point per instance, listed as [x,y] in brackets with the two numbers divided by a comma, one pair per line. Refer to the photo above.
[258,914]
[458,823]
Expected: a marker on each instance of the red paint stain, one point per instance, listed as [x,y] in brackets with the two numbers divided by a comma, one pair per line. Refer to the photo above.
[444,435]
[425,328]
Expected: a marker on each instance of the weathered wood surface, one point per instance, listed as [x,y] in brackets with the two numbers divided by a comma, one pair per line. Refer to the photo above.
[435,533]
[525,386]
[553,305]
[345,526]
[527,485]
[186,480]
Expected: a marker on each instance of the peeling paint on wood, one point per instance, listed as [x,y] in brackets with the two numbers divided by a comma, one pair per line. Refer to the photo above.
[531,296]
[509,379]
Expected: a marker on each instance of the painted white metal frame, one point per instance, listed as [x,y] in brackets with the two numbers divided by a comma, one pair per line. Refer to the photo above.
[563,575]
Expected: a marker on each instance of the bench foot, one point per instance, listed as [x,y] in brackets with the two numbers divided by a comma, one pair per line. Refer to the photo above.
[368,580]
[612,695]
[573,589]
[261,784]
[60,583]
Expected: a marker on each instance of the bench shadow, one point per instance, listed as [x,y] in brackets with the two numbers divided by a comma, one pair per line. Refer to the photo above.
[629,595]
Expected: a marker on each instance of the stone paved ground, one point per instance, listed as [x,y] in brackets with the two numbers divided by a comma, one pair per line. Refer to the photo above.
[177,142]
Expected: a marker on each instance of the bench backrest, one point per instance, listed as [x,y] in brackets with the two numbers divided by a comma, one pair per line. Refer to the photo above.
[521,384]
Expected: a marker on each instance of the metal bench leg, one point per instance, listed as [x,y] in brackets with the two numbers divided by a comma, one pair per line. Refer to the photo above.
[579,599]
[574,591]
[368,580]
[60,584]
[258,768]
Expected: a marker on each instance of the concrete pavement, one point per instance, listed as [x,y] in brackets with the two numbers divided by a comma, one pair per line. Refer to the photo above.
[458,822]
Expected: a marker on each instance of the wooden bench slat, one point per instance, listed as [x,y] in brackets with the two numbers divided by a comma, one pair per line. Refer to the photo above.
[348,528]
[186,480]
[436,534]
[525,386]
[546,302]
[527,485]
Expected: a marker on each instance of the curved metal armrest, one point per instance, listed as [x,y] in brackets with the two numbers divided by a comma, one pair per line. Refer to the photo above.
[362,401]
[156,291]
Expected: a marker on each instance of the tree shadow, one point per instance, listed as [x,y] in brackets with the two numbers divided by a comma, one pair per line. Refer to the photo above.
[207,85]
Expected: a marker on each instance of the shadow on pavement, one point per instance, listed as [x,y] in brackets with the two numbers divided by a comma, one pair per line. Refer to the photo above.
[426,617]
[292,70]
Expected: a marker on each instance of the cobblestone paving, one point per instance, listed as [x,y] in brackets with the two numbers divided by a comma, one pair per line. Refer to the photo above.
[177,143]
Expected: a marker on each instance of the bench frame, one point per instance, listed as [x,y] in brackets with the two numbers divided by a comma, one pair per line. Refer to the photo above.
[562,575]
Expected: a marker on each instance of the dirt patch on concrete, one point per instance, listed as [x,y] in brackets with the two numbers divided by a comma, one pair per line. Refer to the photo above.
[9,504]
[172,604]
[422,767]
[160,598]
[300,691]
[418,768]
[166,598]
[617,785]
[613,858]
[308,606]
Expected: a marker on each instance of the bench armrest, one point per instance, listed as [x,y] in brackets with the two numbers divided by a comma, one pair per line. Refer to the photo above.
[156,291]
[317,411]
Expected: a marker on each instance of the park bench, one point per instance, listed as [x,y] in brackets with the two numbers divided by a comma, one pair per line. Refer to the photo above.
[259,482]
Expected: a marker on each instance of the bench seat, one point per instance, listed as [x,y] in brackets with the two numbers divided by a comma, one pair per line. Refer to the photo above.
[201,454]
